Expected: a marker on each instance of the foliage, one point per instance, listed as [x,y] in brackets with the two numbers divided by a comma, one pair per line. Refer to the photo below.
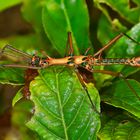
[61,107]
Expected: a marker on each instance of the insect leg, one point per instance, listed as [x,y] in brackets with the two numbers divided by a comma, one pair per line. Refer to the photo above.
[13,49]
[87,50]
[18,66]
[108,44]
[118,74]
[69,43]
[70,53]
[113,41]
[85,88]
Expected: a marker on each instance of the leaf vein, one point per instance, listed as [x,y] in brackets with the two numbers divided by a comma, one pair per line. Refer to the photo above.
[46,128]
[61,108]
[47,110]
[77,112]
[85,128]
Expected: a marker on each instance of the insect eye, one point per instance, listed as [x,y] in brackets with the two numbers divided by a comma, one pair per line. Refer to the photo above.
[45,62]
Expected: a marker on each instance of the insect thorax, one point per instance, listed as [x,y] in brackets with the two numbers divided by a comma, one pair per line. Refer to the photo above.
[35,61]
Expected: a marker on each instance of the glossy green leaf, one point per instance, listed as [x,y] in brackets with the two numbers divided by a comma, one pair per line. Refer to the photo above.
[21,113]
[32,13]
[113,27]
[59,17]
[5,4]
[122,96]
[23,42]
[18,96]
[18,108]
[11,76]
[62,108]
[123,8]
[120,127]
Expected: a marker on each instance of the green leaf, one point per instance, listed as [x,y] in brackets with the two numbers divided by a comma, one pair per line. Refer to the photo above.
[120,127]
[123,8]
[62,108]
[18,117]
[18,96]
[26,43]
[113,27]
[11,76]
[5,4]
[122,96]
[32,13]
[59,17]
[21,113]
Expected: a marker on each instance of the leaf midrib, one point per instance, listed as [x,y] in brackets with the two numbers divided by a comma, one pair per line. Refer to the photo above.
[61,108]
[69,27]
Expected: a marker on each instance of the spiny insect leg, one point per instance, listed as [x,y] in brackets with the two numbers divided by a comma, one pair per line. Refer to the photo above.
[69,43]
[15,50]
[19,66]
[85,88]
[113,41]
[87,50]
[118,74]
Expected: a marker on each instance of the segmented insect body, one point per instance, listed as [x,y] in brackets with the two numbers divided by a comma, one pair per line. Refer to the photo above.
[86,61]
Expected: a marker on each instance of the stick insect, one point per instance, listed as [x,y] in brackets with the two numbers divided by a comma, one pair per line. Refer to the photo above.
[86,61]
